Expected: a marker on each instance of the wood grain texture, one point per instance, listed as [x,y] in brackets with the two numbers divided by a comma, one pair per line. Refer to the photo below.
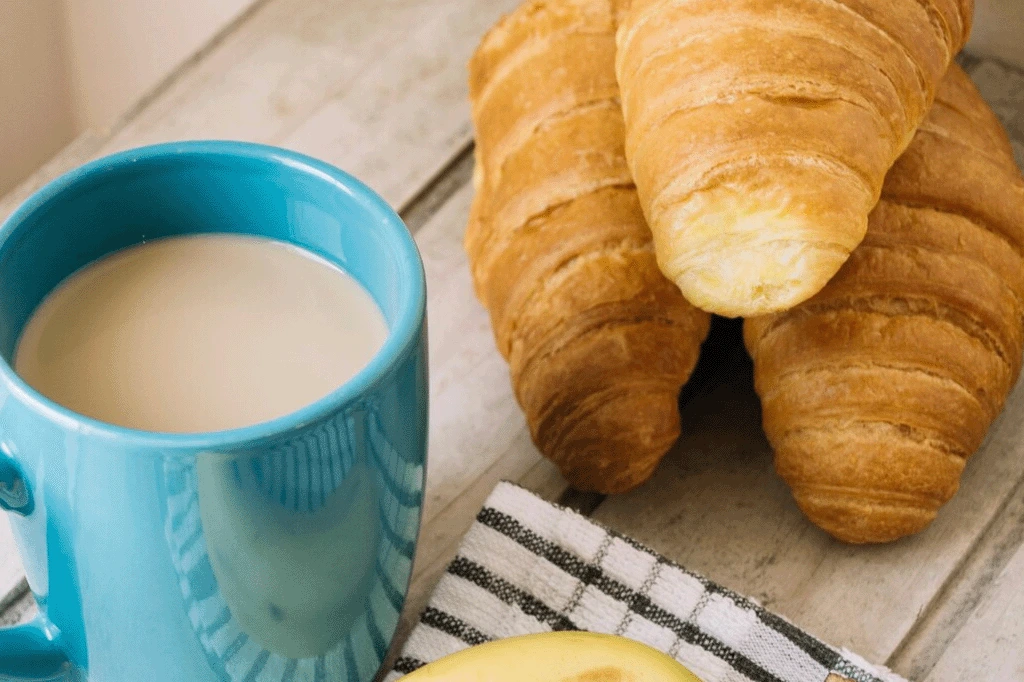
[80,150]
[991,644]
[377,88]
[957,604]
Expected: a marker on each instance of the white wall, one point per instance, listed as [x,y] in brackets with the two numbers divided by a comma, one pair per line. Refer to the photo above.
[119,49]
[36,119]
[68,65]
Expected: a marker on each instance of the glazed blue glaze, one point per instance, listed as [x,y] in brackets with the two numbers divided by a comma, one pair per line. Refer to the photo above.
[274,553]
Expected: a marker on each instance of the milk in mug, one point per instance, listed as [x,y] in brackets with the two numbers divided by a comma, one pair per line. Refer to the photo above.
[199,333]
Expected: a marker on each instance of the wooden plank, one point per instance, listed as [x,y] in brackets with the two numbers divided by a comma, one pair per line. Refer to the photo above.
[377,88]
[991,645]
[21,609]
[956,612]
[80,150]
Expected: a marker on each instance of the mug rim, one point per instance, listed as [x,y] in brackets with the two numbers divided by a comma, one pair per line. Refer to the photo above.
[402,335]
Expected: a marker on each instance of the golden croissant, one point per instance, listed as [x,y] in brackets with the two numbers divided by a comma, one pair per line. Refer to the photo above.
[877,390]
[599,343]
[759,131]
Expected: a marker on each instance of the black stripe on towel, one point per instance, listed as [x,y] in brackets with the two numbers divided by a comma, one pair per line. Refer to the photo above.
[408,664]
[456,627]
[820,652]
[817,650]
[692,634]
[852,672]
[591,575]
[638,603]
[509,593]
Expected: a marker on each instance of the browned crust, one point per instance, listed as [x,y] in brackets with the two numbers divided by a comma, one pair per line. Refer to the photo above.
[877,390]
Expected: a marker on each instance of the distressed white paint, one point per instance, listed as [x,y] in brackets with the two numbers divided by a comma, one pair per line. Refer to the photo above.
[991,644]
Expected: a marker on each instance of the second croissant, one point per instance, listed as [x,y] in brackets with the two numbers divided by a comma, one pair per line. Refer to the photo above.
[599,343]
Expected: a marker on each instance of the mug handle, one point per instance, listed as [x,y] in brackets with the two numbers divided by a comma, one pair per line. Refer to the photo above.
[31,651]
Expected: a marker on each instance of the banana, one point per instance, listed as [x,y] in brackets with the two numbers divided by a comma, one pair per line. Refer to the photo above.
[556,657]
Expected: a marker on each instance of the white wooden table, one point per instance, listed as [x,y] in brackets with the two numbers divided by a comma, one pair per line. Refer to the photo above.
[377,87]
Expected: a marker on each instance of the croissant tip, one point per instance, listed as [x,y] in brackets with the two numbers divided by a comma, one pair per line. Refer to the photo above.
[751,282]
[855,519]
[612,466]
[608,450]
[608,482]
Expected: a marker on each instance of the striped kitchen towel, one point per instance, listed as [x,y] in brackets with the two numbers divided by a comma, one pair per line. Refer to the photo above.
[528,566]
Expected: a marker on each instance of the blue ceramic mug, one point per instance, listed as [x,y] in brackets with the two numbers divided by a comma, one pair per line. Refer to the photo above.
[280,552]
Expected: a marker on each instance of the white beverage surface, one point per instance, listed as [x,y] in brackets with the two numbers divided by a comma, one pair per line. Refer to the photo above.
[199,333]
